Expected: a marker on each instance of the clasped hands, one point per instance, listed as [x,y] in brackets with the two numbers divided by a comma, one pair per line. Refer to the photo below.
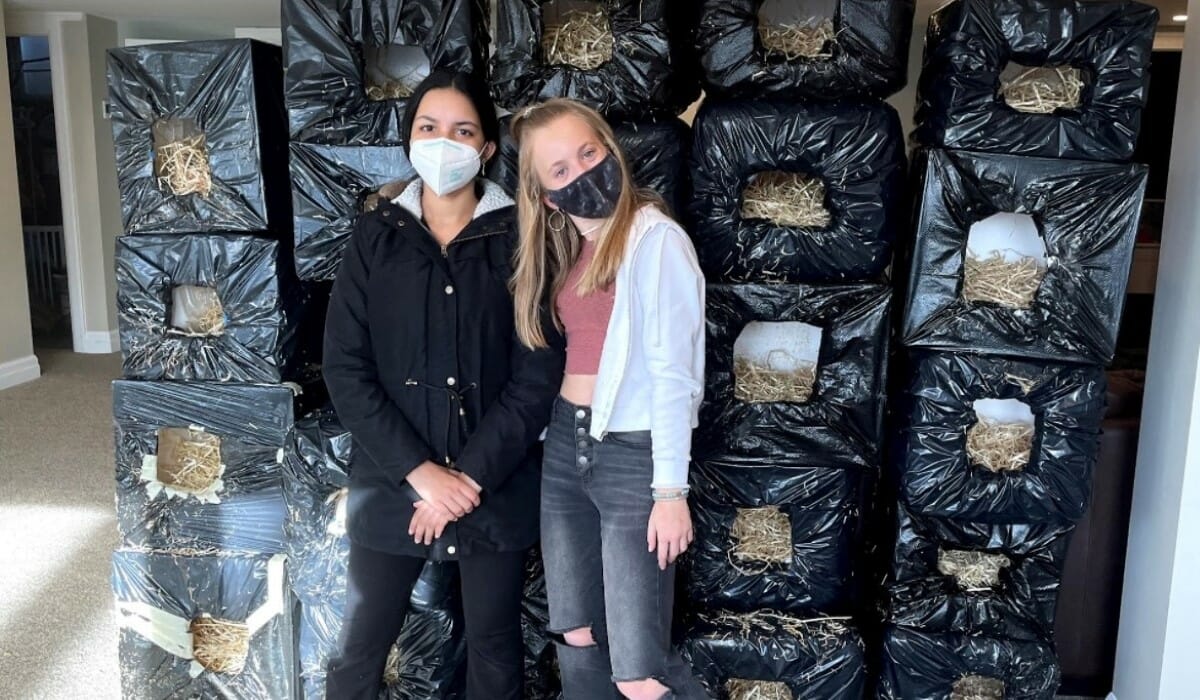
[446,495]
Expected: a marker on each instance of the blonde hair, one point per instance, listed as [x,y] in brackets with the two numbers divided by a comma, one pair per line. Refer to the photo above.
[545,257]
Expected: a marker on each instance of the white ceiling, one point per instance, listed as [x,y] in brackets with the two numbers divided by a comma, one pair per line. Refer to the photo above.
[265,13]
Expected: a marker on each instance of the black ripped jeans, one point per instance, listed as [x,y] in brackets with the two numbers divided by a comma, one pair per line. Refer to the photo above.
[596,503]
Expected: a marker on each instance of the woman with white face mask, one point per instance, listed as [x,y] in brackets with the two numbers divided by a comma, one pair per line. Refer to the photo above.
[444,402]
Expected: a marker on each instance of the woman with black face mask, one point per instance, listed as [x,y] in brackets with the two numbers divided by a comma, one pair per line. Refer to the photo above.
[444,402]
[629,295]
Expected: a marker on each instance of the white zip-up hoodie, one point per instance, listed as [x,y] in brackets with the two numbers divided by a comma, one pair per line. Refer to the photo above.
[651,374]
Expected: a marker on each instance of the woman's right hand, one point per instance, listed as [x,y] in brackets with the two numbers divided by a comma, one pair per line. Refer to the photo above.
[443,489]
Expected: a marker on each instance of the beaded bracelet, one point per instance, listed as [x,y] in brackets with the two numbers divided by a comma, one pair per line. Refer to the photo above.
[670,494]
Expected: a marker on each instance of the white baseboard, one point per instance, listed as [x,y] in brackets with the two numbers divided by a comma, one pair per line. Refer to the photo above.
[19,371]
[100,342]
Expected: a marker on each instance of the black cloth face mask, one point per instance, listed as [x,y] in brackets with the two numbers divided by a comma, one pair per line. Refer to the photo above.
[592,195]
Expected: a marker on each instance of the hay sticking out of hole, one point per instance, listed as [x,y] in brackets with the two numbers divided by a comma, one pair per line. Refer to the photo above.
[389,90]
[393,667]
[196,311]
[761,536]
[744,625]
[754,383]
[182,166]
[742,689]
[998,281]
[786,199]
[189,460]
[811,39]
[1000,447]
[974,571]
[221,646]
[977,688]
[1043,90]
[584,40]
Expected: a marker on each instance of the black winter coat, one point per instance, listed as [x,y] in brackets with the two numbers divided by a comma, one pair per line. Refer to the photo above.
[423,363]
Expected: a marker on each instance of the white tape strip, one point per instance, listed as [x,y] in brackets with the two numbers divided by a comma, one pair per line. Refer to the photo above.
[169,632]
[337,524]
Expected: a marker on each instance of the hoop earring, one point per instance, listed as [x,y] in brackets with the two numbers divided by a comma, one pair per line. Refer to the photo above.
[561,225]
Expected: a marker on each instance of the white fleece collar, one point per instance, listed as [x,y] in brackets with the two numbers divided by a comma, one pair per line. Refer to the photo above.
[493,198]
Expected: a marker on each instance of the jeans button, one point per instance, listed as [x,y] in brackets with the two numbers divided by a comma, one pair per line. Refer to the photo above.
[451,549]
[581,414]
[582,445]
[581,431]
[583,461]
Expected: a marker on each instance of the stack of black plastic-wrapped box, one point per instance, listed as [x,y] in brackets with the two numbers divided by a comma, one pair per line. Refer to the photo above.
[1024,233]
[797,170]
[218,339]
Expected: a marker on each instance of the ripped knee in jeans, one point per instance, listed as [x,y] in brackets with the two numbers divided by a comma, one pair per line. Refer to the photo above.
[645,689]
[578,637]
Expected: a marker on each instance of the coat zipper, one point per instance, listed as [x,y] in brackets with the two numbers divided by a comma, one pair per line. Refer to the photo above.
[445,247]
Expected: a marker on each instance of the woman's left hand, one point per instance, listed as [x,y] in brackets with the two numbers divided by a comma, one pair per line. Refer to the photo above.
[428,523]
[670,531]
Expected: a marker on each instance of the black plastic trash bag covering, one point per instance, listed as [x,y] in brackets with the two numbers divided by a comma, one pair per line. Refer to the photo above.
[226,94]
[325,45]
[541,665]
[869,56]
[655,150]
[825,663]
[638,81]
[920,664]
[1087,215]
[243,508]
[822,508]
[936,475]
[969,43]
[1024,599]
[271,329]
[855,150]
[841,424]
[330,186]
[158,594]
[315,479]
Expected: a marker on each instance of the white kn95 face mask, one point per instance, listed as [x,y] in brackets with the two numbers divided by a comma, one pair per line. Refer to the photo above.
[444,165]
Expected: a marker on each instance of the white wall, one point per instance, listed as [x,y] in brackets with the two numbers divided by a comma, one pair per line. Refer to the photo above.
[1157,653]
[17,362]
[905,100]
[87,170]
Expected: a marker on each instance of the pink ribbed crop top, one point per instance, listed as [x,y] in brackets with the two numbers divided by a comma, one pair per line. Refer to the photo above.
[585,318]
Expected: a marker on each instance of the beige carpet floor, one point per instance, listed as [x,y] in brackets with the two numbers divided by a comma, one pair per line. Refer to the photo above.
[57,532]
